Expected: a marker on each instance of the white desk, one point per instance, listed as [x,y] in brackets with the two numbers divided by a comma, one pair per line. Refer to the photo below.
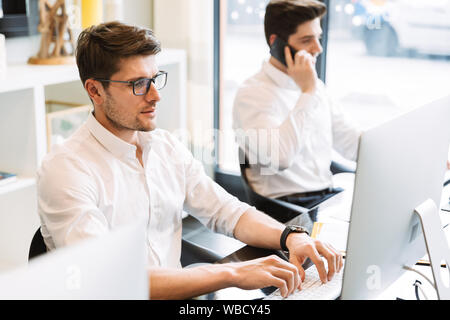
[336,213]
[403,288]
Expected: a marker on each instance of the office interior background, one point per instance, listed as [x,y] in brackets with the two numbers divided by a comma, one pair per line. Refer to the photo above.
[380,58]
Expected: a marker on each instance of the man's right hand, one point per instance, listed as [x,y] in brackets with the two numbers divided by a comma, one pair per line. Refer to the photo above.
[301,69]
[266,272]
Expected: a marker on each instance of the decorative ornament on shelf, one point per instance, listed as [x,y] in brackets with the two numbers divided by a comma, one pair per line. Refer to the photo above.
[57,41]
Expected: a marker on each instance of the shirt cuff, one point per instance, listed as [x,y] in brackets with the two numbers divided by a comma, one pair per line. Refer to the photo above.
[234,218]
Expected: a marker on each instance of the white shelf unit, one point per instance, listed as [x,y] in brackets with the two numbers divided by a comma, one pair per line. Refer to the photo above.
[23,141]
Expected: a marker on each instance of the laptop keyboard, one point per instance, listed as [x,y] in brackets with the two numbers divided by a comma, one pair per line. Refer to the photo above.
[312,288]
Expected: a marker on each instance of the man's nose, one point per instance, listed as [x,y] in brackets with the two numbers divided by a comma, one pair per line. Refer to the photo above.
[152,93]
[317,48]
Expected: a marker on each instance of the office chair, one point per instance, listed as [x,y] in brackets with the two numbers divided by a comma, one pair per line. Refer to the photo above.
[194,253]
[190,253]
[336,167]
[280,210]
[37,246]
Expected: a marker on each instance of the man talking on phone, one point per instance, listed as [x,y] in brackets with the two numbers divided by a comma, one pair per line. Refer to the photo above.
[287,108]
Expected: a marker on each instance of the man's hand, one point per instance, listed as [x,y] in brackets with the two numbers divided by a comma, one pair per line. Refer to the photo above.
[301,69]
[301,246]
[265,272]
[258,229]
[287,276]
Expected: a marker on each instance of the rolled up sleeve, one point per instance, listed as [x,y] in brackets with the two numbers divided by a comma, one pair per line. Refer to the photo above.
[212,205]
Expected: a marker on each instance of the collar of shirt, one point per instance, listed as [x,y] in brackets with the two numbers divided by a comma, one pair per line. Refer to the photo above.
[280,78]
[114,144]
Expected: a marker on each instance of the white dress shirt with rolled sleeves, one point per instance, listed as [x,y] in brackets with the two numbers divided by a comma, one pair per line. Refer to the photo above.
[298,131]
[94,182]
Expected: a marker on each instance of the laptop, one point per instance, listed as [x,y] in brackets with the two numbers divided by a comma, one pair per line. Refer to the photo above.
[111,266]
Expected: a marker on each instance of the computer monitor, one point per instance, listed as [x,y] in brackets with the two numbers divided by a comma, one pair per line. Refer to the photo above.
[112,266]
[401,164]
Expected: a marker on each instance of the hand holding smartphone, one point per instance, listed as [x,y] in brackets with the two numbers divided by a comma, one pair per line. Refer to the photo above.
[301,69]
[277,50]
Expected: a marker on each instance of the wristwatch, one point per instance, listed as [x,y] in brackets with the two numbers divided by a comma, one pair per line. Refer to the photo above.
[290,229]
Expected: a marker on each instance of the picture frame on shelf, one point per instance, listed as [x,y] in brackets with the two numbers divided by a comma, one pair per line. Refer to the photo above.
[63,119]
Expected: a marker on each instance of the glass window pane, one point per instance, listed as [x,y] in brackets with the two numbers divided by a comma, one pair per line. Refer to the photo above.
[386,57]
[383,57]
[244,49]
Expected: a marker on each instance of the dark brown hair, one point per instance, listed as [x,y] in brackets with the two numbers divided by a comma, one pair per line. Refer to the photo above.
[100,48]
[284,16]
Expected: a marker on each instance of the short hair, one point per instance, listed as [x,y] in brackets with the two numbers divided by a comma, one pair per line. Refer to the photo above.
[284,16]
[101,47]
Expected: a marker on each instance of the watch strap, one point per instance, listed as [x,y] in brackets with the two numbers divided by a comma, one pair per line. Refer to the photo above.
[287,231]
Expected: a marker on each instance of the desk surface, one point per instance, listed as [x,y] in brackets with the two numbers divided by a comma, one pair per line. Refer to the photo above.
[248,253]
[402,288]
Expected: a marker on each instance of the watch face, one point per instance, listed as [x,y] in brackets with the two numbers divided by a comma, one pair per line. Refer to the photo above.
[298,229]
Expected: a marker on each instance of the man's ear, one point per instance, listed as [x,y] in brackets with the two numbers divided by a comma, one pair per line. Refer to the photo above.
[272,38]
[95,91]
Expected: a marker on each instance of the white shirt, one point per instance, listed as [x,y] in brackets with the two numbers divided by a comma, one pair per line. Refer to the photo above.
[94,182]
[298,131]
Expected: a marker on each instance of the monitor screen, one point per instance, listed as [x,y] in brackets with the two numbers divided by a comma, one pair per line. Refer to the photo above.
[401,164]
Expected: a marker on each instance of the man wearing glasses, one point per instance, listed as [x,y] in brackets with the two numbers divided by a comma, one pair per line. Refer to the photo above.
[118,168]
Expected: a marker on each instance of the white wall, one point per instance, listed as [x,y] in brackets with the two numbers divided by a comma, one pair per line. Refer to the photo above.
[189,25]
[180,24]
[138,12]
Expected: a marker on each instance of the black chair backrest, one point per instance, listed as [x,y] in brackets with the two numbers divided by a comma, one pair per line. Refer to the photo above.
[37,246]
[192,252]
[337,167]
[277,209]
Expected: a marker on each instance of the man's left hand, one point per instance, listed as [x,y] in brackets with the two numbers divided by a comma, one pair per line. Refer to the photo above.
[301,247]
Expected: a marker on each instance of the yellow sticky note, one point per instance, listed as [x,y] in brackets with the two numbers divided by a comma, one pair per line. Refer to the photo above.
[317,227]
[333,233]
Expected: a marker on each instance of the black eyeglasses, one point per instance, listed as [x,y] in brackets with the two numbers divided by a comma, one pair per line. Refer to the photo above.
[141,86]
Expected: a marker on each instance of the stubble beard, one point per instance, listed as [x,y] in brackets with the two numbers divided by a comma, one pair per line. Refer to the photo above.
[118,121]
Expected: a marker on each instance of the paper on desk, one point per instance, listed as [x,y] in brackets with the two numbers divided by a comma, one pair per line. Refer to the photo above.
[339,206]
[335,233]
[340,209]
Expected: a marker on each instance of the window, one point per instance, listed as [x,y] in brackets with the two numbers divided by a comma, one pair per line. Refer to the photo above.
[386,57]
[382,57]
[243,49]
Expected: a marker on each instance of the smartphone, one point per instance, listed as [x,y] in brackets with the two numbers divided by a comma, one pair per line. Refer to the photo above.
[277,50]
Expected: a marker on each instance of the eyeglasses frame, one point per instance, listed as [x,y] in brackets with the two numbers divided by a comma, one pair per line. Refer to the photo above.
[152,80]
